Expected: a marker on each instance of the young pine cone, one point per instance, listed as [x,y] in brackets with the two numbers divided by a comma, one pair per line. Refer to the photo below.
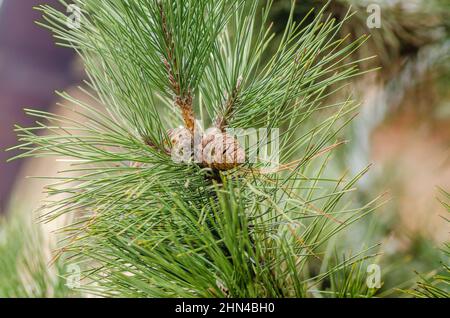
[181,141]
[214,149]
[219,150]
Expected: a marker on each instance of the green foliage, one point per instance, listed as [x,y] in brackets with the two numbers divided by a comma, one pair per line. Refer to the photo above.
[438,286]
[24,261]
[147,226]
[350,281]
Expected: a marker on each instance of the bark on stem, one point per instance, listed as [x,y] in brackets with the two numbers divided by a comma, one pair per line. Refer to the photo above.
[185,104]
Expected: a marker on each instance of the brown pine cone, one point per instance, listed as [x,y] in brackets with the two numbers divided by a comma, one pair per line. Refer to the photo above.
[219,150]
[181,144]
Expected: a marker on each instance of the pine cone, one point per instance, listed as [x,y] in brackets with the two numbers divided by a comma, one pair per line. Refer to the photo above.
[181,140]
[213,149]
[219,150]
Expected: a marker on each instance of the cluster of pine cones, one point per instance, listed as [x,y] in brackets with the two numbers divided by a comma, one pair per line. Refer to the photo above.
[214,149]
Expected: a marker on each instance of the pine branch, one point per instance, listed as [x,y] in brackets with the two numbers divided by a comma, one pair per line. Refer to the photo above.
[222,120]
[153,227]
[438,286]
[24,261]
[183,102]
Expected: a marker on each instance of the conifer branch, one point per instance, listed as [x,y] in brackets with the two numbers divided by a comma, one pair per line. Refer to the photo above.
[168,225]
[182,100]
[222,120]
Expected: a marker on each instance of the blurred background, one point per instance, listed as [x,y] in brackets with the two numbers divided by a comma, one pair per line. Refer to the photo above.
[403,128]
[31,69]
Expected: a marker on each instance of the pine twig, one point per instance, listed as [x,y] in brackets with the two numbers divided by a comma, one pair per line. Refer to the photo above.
[222,120]
[184,102]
